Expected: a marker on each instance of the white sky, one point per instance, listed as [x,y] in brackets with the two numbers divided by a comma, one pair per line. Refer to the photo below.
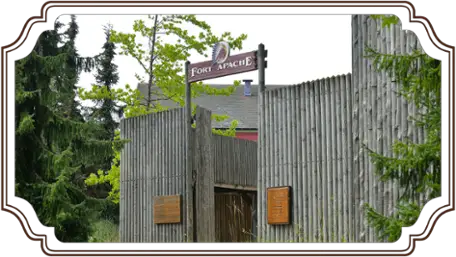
[300,47]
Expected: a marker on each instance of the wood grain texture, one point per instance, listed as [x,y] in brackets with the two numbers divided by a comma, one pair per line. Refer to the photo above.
[233,212]
[204,188]
[167,209]
[279,203]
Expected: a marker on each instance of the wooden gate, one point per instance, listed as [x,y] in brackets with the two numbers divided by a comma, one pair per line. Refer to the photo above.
[235,215]
[226,166]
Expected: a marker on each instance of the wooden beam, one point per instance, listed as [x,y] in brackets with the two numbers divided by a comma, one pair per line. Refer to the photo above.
[204,188]
[236,187]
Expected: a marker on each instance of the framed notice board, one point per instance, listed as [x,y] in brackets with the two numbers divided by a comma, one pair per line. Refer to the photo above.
[167,209]
[279,205]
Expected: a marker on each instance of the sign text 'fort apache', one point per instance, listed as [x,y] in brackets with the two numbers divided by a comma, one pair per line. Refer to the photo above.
[231,65]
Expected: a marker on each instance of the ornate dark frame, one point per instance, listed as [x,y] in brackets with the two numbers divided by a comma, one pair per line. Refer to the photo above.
[33,27]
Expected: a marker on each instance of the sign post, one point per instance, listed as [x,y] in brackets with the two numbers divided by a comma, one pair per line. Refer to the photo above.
[189,158]
[261,53]
[222,64]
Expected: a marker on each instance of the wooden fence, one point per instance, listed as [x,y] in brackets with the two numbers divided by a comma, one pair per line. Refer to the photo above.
[153,164]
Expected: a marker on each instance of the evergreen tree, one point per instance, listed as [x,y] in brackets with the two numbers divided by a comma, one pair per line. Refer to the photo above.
[106,112]
[108,76]
[69,80]
[53,145]
[415,166]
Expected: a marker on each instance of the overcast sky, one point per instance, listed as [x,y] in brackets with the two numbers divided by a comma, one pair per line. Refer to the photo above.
[300,47]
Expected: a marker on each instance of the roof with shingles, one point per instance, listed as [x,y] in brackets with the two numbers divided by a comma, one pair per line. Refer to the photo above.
[238,107]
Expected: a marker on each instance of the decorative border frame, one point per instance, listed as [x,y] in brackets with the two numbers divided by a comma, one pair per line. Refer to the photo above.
[30,25]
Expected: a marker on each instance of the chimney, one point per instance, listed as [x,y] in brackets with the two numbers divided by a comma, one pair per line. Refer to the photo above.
[247,87]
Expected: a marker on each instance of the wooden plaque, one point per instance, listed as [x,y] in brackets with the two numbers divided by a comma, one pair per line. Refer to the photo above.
[233,65]
[167,209]
[279,205]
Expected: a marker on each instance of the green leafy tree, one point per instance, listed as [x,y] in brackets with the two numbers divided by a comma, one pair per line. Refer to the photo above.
[414,166]
[53,145]
[162,63]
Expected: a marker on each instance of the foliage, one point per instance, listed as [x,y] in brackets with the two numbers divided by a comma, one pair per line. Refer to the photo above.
[54,145]
[112,176]
[162,62]
[390,227]
[104,231]
[386,20]
[415,167]
[105,108]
